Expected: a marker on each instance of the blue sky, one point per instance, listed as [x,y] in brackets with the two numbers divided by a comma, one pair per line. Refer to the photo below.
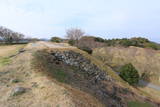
[104,18]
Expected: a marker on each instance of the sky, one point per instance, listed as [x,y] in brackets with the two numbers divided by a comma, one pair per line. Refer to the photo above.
[103,18]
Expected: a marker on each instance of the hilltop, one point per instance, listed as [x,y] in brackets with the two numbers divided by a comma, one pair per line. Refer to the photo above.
[52,74]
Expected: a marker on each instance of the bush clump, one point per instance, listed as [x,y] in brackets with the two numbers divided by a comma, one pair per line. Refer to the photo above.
[71,42]
[98,39]
[125,42]
[87,49]
[153,46]
[138,104]
[129,74]
[56,39]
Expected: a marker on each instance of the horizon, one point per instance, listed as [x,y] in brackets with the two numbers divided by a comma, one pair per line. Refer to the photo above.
[103,18]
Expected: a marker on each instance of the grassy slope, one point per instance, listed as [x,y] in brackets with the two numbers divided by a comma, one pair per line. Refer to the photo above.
[40,92]
[138,104]
[94,61]
[101,65]
[145,60]
[117,56]
[64,76]
[6,51]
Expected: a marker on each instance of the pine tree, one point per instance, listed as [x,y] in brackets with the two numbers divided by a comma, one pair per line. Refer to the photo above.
[129,74]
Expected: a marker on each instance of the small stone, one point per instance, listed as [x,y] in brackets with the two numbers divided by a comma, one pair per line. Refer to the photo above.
[18,91]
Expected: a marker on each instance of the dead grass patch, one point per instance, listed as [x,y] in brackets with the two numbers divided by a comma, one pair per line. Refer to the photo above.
[9,49]
[6,51]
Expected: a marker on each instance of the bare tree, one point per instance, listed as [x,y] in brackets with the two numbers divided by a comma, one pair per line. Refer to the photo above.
[6,34]
[9,36]
[17,37]
[74,34]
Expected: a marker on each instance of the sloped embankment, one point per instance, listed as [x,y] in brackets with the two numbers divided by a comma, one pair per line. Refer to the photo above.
[146,61]
[76,69]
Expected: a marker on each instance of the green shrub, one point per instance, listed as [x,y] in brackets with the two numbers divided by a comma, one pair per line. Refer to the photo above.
[87,49]
[126,42]
[138,104]
[71,42]
[56,39]
[136,41]
[140,39]
[110,42]
[129,74]
[98,39]
[60,75]
[153,46]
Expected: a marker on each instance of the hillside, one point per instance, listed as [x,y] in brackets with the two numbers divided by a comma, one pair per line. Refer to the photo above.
[125,42]
[56,75]
[23,86]
[146,61]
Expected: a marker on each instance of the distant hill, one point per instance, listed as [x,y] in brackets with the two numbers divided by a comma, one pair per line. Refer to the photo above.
[136,41]
[89,41]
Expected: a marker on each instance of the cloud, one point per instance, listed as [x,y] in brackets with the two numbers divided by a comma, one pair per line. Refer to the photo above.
[104,18]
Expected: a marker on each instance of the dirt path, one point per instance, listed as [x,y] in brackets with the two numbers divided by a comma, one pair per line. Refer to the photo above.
[42,44]
[149,85]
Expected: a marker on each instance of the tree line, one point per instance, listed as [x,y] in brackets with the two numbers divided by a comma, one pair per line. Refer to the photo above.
[125,42]
[8,36]
[75,35]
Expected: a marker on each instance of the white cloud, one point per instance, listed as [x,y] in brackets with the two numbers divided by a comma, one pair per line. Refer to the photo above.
[99,17]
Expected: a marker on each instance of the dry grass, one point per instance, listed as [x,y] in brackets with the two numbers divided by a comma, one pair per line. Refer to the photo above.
[42,91]
[9,50]
[118,81]
[45,92]
[145,60]
[58,74]
[155,94]
[98,63]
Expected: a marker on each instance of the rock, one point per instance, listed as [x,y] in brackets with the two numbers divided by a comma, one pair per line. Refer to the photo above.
[18,91]
[76,59]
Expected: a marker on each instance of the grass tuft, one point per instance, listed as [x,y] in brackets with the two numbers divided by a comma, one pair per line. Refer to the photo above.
[4,61]
[60,75]
[138,104]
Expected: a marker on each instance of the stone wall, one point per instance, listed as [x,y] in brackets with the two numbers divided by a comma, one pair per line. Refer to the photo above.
[94,80]
[98,82]
[76,59]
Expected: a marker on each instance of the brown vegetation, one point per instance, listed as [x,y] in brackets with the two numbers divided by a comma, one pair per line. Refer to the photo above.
[43,79]
[146,61]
